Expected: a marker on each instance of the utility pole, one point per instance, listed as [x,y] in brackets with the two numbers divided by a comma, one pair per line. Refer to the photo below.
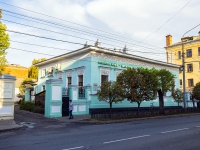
[183,68]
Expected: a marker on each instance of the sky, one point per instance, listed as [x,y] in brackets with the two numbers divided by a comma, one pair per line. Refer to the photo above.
[47,28]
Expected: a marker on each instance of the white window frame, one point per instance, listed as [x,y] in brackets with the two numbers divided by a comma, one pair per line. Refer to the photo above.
[68,74]
[104,71]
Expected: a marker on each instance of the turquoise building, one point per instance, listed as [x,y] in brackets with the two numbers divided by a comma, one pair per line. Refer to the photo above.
[77,75]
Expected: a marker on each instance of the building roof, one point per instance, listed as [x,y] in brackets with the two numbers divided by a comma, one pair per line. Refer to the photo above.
[16,66]
[103,50]
[186,40]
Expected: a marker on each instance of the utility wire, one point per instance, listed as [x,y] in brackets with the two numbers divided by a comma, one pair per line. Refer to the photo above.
[65,40]
[74,59]
[42,37]
[72,22]
[167,21]
[104,43]
[69,35]
[30,51]
[57,48]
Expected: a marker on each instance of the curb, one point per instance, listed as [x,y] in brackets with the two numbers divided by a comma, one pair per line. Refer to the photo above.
[13,128]
[130,120]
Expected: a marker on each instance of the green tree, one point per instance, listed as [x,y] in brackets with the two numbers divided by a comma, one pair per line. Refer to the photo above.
[178,96]
[22,86]
[166,83]
[33,70]
[4,44]
[139,84]
[110,92]
[196,93]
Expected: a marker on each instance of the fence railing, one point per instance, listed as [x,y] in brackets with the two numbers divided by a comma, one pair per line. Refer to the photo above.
[125,113]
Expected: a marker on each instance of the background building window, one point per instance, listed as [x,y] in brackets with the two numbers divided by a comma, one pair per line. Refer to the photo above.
[190,82]
[179,54]
[199,51]
[199,66]
[189,68]
[189,53]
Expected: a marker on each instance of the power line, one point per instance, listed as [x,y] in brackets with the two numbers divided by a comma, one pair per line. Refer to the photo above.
[65,54]
[69,35]
[167,21]
[57,48]
[30,51]
[42,37]
[76,30]
[92,40]
[70,22]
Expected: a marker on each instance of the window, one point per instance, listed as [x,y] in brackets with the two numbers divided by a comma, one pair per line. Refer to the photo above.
[50,71]
[199,66]
[189,53]
[81,91]
[199,51]
[190,82]
[104,78]
[181,83]
[189,68]
[179,54]
[43,72]
[59,75]
[43,87]
[69,81]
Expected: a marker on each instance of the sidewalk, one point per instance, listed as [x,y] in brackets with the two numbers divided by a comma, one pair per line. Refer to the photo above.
[8,125]
[23,119]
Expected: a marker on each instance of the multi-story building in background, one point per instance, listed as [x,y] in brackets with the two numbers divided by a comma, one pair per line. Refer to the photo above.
[19,72]
[191,48]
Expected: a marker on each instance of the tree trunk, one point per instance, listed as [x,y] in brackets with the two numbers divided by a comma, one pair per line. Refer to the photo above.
[138,109]
[161,101]
[110,110]
[193,103]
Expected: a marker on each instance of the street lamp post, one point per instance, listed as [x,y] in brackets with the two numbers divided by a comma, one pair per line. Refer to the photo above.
[183,64]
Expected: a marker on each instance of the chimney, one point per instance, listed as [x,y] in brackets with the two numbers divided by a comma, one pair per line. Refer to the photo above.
[168,40]
[125,49]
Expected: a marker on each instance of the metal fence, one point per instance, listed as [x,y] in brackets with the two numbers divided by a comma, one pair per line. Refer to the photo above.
[126,113]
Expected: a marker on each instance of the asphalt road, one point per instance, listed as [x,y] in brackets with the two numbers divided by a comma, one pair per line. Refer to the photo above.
[152,134]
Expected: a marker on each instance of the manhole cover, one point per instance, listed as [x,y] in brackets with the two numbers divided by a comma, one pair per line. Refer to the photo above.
[28,124]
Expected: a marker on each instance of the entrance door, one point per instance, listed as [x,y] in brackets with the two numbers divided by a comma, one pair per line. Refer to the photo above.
[65,106]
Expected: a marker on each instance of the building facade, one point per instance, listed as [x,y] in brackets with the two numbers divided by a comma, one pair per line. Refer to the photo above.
[82,72]
[191,48]
[20,73]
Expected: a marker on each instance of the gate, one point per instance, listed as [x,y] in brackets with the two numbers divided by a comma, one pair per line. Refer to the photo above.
[65,106]
[40,102]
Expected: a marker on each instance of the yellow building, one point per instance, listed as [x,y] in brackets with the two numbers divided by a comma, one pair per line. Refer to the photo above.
[19,72]
[191,47]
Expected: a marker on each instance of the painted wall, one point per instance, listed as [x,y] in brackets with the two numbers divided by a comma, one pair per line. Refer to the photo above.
[173,57]
[91,66]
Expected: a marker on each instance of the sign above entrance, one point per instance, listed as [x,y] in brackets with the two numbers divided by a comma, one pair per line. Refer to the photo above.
[113,64]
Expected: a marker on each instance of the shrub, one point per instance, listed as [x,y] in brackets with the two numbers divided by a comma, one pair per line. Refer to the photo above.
[29,106]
